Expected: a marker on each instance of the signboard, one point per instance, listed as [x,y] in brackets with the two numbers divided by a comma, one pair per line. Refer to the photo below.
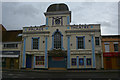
[110,54]
[79,27]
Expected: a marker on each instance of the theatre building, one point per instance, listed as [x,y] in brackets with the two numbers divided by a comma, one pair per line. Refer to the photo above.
[59,45]
[111,51]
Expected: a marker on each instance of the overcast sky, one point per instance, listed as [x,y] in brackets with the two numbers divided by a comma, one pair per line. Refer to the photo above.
[16,15]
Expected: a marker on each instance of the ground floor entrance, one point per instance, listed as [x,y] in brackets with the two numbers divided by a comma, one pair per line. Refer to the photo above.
[111,60]
[28,61]
[111,63]
[57,62]
[10,63]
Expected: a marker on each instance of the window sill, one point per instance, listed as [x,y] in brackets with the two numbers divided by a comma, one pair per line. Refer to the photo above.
[10,48]
[97,46]
[80,49]
[35,49]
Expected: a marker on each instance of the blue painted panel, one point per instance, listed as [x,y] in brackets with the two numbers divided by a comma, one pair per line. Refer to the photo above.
[93,52]
[68,52]
[56,64]
[91,26]
[45,52]
[28,61]
[68,20]
[68,27]
[46,21]
[46,28]
[84,61]
[77,61]
[24,48]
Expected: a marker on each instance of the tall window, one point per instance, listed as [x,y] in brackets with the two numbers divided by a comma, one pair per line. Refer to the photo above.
[97,40]
[106,47]
[57,40]
[80,41]
[115,47]
[35,43]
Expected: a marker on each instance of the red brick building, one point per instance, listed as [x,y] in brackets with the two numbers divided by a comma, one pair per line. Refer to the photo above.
[111,51]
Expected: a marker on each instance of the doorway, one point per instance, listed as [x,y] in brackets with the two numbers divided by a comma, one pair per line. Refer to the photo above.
[28,61]
[57,62]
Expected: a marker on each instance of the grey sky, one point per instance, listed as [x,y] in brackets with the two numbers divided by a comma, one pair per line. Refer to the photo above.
[16,15]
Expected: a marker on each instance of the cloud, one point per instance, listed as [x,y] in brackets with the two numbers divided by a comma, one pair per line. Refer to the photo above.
[26,10]
[105,23]
[19,14]
[0,12]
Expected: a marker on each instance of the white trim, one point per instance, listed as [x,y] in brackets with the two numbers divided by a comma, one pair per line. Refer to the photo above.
[9,56]
[106,43]
[115,42]
[10,42]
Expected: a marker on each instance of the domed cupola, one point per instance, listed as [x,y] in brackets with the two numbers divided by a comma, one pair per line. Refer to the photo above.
[58,15]
[57,7]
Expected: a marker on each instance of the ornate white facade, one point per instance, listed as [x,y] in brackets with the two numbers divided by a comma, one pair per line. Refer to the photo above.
[61,45]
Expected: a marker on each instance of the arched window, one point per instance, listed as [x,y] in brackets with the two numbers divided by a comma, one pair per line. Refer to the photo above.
[57,40]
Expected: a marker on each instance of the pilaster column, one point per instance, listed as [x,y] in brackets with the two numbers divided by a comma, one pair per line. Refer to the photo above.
[23,56]
[84,61]
[68,52]
[77,61]
[93,51]
[46,56]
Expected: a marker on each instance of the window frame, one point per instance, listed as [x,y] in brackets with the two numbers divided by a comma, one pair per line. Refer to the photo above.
[36,42]
[82,61]
[107,48]
[90,61]
[83,37]
[73,64]
[57,42]
[39,61]
[117,48]
[97,41]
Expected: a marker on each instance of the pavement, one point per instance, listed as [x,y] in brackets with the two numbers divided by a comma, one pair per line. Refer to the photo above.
[61,74]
